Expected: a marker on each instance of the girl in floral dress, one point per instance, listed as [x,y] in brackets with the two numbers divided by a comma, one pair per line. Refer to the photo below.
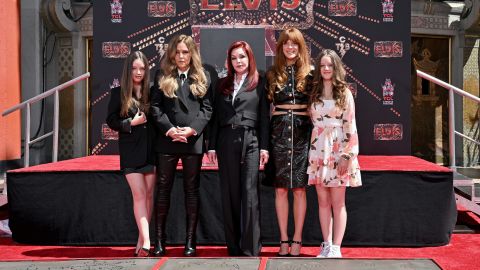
[333,163]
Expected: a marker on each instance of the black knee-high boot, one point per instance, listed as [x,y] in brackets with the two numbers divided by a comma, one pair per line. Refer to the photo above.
[165,165]
[191,239]
[160,248]
[191,205]
[191,180]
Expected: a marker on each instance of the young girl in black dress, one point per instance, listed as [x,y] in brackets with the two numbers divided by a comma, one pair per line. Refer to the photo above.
[128,112]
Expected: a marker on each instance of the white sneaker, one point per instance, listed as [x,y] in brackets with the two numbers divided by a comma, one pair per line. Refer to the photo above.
[334,252]
[325,246]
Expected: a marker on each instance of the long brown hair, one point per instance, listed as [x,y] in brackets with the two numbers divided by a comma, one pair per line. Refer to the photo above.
[168,82]
[126,85]
[226,86]
[277,75]
[338,80]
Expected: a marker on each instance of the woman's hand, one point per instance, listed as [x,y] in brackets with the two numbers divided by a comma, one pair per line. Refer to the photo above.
[186,131]
[343,165]
[263,157]
[212,157]
[176,136]
[138,119]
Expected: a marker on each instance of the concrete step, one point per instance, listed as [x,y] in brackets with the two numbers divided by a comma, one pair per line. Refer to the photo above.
[466,183]
[472,172]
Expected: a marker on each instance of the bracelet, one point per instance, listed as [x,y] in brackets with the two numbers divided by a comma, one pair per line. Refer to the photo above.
[346,157]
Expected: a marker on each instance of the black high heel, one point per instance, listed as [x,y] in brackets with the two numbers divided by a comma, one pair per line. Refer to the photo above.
[286,254]
[160,248]
[135,253]
[190,248]
[143,252]
[299,250]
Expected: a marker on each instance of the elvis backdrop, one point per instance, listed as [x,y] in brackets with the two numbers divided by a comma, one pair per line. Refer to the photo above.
[372,37]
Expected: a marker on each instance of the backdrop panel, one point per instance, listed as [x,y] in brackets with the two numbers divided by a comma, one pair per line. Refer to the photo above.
[222,37]
[373,38]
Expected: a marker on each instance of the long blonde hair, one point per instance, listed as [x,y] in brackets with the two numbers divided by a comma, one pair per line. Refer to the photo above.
[126,85]
[277,75]
[338,80]
[168,81]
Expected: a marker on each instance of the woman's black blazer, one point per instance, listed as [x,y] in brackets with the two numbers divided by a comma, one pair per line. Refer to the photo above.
[250,109]
[186,110]
[134,142]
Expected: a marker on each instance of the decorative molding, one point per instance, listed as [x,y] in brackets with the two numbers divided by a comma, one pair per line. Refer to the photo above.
[67,100]
[431,22]
[65,41]
[85,25]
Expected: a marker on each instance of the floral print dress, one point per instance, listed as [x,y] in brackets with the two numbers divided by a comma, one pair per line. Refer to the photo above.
[334,134]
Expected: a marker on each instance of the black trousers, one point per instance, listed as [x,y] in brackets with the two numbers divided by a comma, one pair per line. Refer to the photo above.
[239,184]
[166,168]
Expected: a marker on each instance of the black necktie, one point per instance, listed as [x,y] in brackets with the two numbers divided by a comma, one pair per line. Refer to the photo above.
[182,78]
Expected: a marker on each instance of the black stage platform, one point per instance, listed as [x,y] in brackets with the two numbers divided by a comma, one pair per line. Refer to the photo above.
[404,201]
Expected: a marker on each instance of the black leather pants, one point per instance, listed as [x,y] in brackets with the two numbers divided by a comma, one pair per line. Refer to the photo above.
[166,168]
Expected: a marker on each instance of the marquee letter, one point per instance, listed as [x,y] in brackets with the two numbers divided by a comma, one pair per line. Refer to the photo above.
[206,6]
[293,5]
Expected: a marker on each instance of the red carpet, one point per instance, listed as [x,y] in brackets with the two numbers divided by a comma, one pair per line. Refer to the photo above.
[463,253]
[112,163]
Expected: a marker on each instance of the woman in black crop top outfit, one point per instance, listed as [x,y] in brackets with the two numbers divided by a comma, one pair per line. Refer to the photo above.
[290,129]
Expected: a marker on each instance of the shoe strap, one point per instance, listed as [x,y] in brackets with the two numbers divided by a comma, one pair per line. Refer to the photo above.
[296,242]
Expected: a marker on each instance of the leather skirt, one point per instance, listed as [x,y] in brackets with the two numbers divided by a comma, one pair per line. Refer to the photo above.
[289,145]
